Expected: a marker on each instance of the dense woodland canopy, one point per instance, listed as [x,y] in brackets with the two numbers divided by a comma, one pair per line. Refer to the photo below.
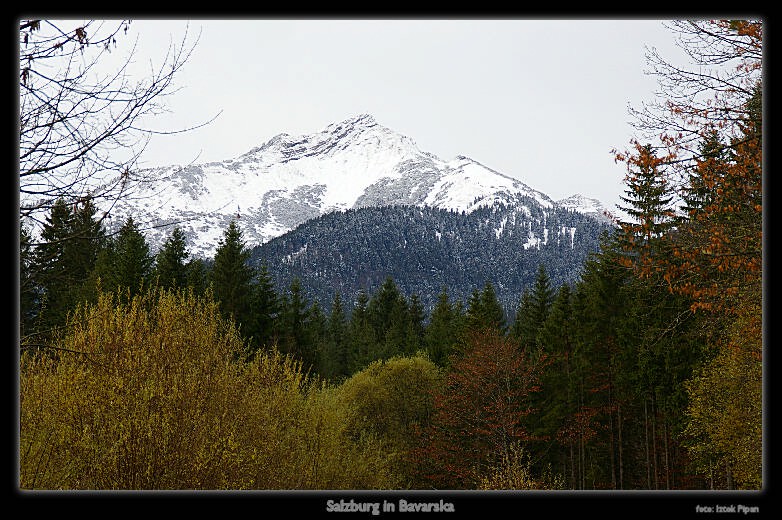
[142,371]
[425,249]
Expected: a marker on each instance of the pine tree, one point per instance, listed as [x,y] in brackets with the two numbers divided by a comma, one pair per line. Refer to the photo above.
[71,240]
[533,310]
[128,264]
[294,339]
[334,358]
[443,332]
[231,276]
[362,342]
[170,262]
[485,312]
[265,311]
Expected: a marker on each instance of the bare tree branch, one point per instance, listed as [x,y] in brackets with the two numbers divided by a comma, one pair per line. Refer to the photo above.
[81,130]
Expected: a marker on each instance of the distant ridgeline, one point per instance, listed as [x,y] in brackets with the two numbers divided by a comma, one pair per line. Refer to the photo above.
[424,249]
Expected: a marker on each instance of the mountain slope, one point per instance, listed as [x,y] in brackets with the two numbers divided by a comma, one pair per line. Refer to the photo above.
[291,179]
[425,249]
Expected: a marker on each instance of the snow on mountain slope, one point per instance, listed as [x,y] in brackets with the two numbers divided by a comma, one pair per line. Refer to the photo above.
[290,179]
[587,206]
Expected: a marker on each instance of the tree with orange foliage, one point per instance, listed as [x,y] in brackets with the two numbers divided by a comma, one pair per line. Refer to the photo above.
[708,124]
[714,251]
[479,414]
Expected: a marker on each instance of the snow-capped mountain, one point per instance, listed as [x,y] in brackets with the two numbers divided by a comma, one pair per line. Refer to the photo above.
[290,179]
[587,206]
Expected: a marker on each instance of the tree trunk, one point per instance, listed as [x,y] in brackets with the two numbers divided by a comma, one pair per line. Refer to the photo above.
[667,462]
[612,456]
[654,441]
[621,464]
[646,447]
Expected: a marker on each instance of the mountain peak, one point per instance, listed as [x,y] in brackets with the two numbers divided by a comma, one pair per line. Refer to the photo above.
[586,205]
[290,179]
[364,119]
[360,120]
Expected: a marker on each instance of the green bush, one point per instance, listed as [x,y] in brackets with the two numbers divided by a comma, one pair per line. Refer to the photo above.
[153,394]
[391,400]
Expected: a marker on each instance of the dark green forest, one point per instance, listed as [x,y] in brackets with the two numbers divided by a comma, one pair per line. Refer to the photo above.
[425,249]
[163,371]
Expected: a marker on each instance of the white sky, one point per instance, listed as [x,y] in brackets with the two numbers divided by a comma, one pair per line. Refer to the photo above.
[544,101]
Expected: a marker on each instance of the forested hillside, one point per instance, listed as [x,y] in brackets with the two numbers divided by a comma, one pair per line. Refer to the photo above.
[425,250]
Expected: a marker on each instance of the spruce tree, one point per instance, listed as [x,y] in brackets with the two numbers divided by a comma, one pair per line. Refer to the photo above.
[53,273]
[316,337]
[492,310]
[170,265]
[556,403]
[294,338]
[126,264]
[197,275]
[231,275]
[443,332]
[29,293]
[265,311]
[522,330]
[533,310]
[415,325]
[334,358]
[649,203]
[362,343]
[485,312]
[387,312]
[71,240]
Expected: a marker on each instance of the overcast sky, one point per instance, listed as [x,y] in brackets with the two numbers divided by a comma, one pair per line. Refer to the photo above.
[543,101]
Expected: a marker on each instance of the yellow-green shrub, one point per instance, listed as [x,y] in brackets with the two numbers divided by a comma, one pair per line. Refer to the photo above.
[153,394]
[513,470]
[389,400]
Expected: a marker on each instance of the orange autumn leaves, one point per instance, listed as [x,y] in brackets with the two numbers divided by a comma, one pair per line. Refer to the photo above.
[701,231]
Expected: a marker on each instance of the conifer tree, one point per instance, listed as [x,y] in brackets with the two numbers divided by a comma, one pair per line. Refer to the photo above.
[29,292]
[415,325]
[316,334]
[88,239]
[197,275]
[170,261]
[522,329]
[649,204]
[294,337]
[533,310]
[698,192]
[232,276]
[334,358]
[128,263]
[556,402]
[387,311]
[51,267]
[442,333]
[485,312]
[71,240]
[362,343]
[265,311]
